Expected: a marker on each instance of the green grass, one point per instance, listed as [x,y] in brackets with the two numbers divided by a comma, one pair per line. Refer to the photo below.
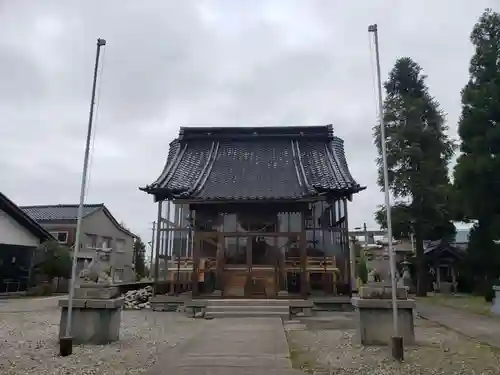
[469,303]
[301,359]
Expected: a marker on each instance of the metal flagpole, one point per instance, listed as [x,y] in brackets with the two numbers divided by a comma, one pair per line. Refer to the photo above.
[66,342]
[397,340]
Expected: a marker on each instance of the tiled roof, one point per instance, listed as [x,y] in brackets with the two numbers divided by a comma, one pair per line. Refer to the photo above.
[254,163]
[434,248]
[59,212]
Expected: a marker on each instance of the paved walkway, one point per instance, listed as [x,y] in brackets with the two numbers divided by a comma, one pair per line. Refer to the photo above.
[475,326]
[13,305]
[231,346]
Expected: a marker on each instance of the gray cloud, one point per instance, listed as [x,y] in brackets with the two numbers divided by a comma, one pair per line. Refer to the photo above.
[173,63]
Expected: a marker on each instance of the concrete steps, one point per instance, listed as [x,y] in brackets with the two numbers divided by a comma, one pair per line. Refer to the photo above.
[247,302]
[247,308]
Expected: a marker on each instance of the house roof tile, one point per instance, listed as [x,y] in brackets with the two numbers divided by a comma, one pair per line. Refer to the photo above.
[59,211]
[68,212]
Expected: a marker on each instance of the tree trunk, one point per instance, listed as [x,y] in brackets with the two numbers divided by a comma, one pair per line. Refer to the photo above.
[421,266]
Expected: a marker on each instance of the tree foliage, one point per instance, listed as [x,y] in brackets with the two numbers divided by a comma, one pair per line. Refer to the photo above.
[403,222]
[139,258]
[418,153]
[477,173]
[362,270]
[52,259]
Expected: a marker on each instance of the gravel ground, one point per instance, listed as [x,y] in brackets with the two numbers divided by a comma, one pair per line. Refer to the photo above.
[439,352]
[29,344]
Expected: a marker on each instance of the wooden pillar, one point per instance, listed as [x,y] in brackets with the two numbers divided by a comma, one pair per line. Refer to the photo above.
[438,277]
[281,268]
[219,285]
[453,278]
[249,280]
[350,259]
[304,282]
[158,245]
[165,245]
[196,266]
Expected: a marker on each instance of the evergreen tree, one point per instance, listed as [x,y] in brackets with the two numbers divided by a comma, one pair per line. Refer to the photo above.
[139,258]
[418,152]
[477,173]
[402,222]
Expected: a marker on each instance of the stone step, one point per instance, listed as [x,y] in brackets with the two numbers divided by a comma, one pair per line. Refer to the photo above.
[248,302]
[219,308]
[246,314]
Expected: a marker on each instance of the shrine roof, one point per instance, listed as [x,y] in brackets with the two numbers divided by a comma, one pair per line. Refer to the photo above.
[254,163]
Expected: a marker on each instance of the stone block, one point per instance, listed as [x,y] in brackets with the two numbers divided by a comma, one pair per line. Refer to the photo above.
[115,303]
[96,291]
[446,287]
[94,321]
[283,293]
[375,321]
[495,309]
[307,311]
[382,291]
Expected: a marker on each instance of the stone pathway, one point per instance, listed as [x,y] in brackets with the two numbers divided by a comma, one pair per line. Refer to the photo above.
[475,326]
[14,305]
[236,346]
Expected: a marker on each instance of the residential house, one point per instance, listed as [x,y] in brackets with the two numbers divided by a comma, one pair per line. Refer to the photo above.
[100,230]
[20,235]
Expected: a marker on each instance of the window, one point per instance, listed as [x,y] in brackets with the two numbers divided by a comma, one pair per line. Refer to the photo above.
[235,250]
[91,240]
[105,243]
[61,237]
[118,274]
[120,246]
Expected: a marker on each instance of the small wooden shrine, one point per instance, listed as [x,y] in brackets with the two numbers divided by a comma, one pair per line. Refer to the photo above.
[254,212]
[442,259]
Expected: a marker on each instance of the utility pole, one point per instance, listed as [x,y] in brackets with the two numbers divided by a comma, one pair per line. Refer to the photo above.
[397,340]
[366,234]
[66,342]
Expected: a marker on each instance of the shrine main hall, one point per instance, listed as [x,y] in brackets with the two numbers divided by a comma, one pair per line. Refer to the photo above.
[254,212]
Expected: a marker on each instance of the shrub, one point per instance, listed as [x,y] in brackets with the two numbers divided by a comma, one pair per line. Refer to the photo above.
[489,295]
[41,290]
[362,270]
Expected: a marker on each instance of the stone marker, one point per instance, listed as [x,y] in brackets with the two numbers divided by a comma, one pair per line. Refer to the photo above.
[97,306]
[495,309]
[96,315]
[374,314]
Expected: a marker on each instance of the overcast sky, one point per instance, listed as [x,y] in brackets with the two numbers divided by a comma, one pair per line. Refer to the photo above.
[173,63]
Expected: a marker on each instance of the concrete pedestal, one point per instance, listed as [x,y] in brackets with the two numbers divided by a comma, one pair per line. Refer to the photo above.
[495,309]
[375,323]
[95,320]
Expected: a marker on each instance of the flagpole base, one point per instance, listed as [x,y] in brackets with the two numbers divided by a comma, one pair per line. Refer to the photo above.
[65,346]
[397,348]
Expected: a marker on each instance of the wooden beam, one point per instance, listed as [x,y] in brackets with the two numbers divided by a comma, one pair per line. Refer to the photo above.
[304,285]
